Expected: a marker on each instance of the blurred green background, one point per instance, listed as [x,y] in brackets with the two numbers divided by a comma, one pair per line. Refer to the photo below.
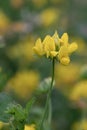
[21,23]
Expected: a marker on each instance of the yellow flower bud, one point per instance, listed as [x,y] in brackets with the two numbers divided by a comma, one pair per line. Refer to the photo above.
[65,60]
[56,38]
[38,48]
[64,39]
[72,47]
[63,52]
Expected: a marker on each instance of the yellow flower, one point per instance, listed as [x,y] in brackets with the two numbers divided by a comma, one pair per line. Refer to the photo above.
[79,91]
[63,55]
[72,47]
[66,49]
[22,51]
[38,49]
[49,16]
[29,127]
[4,22]
[72,75]
[66,77]
[49,46]
[23,84]
[64,41]
[55,47]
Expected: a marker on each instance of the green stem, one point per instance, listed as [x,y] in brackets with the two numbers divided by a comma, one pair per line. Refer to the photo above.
[48,96]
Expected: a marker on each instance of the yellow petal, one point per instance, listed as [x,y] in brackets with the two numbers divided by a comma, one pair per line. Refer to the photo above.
[72,47]
[53,54]
[38,48]
[63,52]
[65,60]
[64,39]
[56,38]
[49,45]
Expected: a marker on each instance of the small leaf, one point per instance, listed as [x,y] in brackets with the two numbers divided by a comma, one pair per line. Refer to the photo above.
[29,105]
[16,111]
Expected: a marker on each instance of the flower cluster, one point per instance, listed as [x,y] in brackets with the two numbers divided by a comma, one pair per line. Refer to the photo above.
[55,47]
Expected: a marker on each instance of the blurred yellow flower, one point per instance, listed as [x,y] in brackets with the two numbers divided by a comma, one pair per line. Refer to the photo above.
[4,22]
[22,51]
[29,127]
[53,46]
[72,75]
[49,16]
[79,91]
[23,83]
[80,125]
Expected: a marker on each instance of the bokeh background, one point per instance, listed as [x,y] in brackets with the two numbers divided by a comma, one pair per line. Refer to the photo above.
[21,72]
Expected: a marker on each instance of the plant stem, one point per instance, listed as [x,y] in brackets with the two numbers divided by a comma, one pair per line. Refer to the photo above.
[48,96]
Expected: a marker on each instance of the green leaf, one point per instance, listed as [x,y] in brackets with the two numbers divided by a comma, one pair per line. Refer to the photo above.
[16,111]
[29,105]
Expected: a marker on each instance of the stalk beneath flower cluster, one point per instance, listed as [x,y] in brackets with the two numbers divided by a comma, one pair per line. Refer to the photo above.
[48,97]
